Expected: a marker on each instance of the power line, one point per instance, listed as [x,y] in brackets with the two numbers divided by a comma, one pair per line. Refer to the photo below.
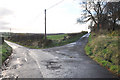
[45,14]
[36,17]
[55,4]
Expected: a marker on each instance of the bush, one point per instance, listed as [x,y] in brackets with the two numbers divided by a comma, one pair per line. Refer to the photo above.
[31,40]
[47,43]
[25,37]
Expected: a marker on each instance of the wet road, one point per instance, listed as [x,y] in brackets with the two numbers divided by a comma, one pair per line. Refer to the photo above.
[69,61]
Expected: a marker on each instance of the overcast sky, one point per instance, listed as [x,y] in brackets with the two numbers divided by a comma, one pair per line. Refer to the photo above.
[28,16]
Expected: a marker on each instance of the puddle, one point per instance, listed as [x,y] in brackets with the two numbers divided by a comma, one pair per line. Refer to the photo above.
[71,44]
[53,67]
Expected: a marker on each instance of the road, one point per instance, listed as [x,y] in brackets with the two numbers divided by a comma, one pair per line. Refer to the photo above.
[68,61]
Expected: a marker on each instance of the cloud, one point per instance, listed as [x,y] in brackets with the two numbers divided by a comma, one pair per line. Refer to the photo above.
[4,11]
[3,26]
[29,15]
[3,23]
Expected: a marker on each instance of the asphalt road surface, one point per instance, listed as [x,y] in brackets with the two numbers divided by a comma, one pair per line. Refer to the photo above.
[68,61]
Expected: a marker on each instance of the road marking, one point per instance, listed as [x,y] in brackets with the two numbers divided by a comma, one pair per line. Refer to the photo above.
[26,59]
[33,56]
[18,60]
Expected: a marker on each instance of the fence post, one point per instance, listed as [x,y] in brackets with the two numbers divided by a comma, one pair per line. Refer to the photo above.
[2,40]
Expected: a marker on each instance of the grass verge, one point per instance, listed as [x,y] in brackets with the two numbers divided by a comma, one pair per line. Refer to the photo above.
[5,51]
[103,48]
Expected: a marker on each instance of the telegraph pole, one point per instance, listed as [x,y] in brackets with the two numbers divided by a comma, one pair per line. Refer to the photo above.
[45,14]
[45,24]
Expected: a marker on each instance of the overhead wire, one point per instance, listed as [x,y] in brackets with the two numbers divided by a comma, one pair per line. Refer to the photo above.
[55,4]
[36,17]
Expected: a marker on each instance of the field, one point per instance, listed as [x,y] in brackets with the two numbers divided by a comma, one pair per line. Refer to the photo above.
[37,41]
[103,48]
[56,37]
[67,38]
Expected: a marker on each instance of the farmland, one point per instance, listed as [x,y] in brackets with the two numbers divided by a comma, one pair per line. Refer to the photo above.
[38,41]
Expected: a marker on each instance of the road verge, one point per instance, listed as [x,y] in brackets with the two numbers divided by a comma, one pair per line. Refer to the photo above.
[103,48]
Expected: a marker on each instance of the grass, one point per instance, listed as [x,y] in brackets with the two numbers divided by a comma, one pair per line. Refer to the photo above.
[5,51]
[56,37]
[103,48]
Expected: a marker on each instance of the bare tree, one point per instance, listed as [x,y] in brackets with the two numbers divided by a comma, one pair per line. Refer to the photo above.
[103,14]
[113,12]
[93,10]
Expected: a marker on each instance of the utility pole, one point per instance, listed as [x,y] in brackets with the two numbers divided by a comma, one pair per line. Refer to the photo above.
[45,14]
[45,24]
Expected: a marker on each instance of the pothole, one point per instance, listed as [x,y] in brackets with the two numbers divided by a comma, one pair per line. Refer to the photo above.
[17,66]
[53,65]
